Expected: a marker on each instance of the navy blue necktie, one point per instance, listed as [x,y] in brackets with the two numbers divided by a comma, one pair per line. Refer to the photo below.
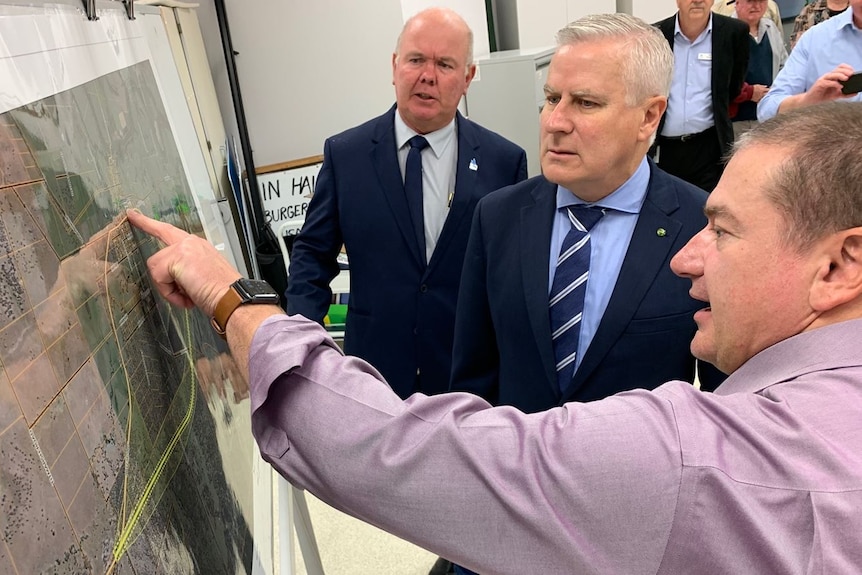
[569,288]
[413,189]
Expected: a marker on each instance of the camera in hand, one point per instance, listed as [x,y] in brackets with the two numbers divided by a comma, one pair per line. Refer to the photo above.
[852,85]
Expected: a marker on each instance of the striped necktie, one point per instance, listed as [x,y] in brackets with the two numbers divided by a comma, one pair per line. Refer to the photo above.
[569,288]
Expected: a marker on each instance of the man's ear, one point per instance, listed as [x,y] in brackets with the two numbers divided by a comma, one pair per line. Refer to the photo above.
[471,73]
[653,110]
[839,277]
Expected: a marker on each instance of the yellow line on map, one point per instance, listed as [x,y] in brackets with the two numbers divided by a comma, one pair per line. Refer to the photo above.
[123,542]
[124,539]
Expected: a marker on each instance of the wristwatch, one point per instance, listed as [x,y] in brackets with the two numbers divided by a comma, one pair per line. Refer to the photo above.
[243,291]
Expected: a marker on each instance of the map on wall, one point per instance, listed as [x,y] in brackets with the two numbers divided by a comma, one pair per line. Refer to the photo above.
[124,442]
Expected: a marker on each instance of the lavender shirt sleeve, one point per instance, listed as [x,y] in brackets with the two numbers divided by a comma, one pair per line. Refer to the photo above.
[574,489]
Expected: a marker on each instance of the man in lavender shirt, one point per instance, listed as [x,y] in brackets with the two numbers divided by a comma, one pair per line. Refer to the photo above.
[763,476]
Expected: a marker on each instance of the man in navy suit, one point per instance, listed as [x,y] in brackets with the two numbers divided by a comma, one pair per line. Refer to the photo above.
[605,94]
[711,59]
[404,272]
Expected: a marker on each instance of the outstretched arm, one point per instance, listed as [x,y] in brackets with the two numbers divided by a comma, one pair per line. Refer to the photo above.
[190,272]
[417,468]
[825,89]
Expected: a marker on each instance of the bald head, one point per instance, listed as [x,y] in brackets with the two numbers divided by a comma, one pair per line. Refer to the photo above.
[432,18]
[432,67]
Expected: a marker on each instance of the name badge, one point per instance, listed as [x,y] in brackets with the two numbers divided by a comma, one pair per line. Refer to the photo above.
[704,57]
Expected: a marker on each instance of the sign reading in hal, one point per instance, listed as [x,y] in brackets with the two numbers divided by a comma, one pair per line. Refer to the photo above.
[286,193]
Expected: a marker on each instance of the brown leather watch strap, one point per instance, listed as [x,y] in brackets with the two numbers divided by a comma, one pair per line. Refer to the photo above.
[225,308]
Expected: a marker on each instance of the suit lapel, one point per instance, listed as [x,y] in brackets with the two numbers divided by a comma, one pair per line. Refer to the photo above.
[384,158]
[667,27]
[647,253]
[537,220]
[719,51]
[467,189]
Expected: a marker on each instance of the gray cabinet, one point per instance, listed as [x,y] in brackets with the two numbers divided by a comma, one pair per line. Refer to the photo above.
[507,94]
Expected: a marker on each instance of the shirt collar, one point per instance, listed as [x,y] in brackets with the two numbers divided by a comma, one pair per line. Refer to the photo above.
[628,198]
[825,348]
[762,26]
[438,140]
[846,19]
[677,31]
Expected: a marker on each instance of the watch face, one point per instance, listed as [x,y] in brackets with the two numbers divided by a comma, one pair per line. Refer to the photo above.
[257,291]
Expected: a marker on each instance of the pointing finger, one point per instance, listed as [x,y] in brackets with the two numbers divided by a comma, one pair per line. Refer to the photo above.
[167,233]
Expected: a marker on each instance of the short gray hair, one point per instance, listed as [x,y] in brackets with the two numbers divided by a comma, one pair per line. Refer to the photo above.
[818,187]
[648,63]
[450,15]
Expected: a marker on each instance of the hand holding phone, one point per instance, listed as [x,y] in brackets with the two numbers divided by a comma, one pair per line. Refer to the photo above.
[852,85]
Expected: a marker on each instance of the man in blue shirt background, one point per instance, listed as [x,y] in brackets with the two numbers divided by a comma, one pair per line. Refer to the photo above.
[710,61]
[826,55]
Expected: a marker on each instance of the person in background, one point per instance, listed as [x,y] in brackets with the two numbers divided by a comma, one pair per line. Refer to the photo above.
[727,8]
[398,192]
[826,55]
[710,61]
[814,13]
[405,242]
[606,89]
[762,476]
[767,55]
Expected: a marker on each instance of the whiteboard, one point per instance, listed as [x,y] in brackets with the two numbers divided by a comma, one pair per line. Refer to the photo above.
[472,11]
[130,418]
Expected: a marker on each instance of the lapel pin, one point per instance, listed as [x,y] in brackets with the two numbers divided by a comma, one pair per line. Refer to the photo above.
[473,165]
[661,232]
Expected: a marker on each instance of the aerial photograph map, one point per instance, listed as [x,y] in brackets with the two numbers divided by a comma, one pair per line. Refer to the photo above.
[123,422]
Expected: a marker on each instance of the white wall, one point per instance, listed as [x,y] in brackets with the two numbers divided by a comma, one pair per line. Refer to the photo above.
[310,69]
[528,24]
[539,21]
[653,10]
[472,11]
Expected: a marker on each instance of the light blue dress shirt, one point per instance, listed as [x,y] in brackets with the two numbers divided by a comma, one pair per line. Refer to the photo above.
[820,50]
[439,166]
[609,242]
[689,106]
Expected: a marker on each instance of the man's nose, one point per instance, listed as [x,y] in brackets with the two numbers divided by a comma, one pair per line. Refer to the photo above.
[555,119]
[688,262]
[429,73]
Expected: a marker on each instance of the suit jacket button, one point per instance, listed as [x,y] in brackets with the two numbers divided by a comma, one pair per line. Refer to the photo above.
[423,288]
